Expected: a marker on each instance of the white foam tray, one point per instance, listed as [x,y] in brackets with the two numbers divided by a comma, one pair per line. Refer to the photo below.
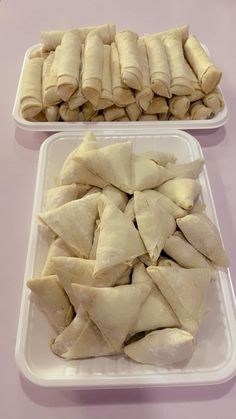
[215,122]
[214,359]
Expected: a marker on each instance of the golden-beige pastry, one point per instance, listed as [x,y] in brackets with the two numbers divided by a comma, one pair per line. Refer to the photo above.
[57,248]
[179,106]
[157,105]
[186,170]
[208,73]
[198,110]
[131,72]
[114,113]
[133,111]
[144,97]
[106,98]
[214,100]
[160,74]
[52,113]
[31,89]
[50,94]
[181,191]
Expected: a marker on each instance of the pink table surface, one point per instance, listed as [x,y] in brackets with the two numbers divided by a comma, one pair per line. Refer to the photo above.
[20,24]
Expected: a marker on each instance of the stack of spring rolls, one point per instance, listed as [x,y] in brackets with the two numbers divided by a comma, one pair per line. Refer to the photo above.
[96,74]
[131,257]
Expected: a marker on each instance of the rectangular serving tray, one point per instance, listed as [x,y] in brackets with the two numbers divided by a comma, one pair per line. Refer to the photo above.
[214,359]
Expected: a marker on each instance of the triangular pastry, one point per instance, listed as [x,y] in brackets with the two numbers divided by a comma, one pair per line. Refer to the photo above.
[186,170]
[181,191]
[57,248]
[185,290]
[60,195]
[153,197]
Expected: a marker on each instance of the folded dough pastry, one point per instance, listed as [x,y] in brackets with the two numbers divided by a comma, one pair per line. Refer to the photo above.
[75,171]
[31,88]
[179,106]
[129,209]
[51,299]
[106,98]
[57,248]
[144,97]
[52,113]
[119,241]
[114,113]
[185,290]
[160,157]
[214,101]
[116,196]
[50,94]
[145,174]
[155,312]
[60,195]
[93,68]
[208,73]
[199,111]
[122,94]
[111,163]
[200,231]
[160,74]
[179,249]
[162,347]
[74,223]
[155,224]
[106,308]
[68,65]
[181,191]
[51,39]
[133,111]
[186,170]
[180,82]
[157,105]
[154,197]
[67,114]
[131,71]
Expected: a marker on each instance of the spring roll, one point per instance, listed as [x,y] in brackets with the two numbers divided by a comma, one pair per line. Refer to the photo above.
[52,113]
[214,101]
[199,111]
[113,113]
[148,117]
[182,31]
[49,80]
[68,65]
[51,39]
[131,72]
[122,94]
[106,98]
[209,75]
[31,90]
[180,83]
[78,99]
[98,118]
[144,97]
[67,114]
[159,66]
[179,106]
[158,105]
[92,68]
[88,111]
[133,111]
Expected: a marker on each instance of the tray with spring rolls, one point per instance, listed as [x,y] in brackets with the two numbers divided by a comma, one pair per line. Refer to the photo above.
[214,357]
[164,119]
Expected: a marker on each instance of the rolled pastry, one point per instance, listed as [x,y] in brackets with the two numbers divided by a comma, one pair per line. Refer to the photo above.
[162,347]
[159,67]
[106,98]
[88,111]
[179,106]
[144,97]
[182,31]
[68,65]
[98,118]
[67,114]
[52,113]
[199,111]
[214,101]
[131,72]
[49,80]
[208,73]
[122,94]
[31,90]
[158,105]
[148,117]
[93,68]
[113,113]
[78,99]
[51,39]
[180,82]
[133,111]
